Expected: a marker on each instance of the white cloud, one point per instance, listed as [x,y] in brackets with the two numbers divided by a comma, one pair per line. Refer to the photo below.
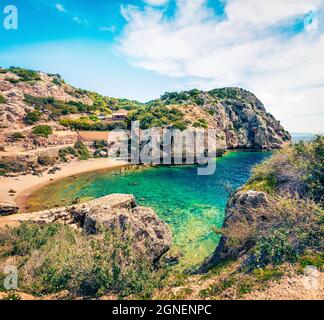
[79,20]
[249,47]
[60,7]
[156,2]
[107,28]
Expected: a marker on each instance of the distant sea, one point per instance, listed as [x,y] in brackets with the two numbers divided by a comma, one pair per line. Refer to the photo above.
[296,137]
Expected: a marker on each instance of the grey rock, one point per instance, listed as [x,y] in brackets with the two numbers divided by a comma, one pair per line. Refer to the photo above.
[241,203]
[8,208]
[150,235]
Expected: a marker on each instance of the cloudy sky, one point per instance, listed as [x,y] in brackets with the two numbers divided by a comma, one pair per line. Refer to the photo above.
[141,48]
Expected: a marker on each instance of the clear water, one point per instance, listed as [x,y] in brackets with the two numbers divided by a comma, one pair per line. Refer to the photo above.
[192,205]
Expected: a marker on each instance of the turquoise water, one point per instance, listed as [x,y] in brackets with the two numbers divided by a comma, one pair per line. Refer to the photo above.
[192,205]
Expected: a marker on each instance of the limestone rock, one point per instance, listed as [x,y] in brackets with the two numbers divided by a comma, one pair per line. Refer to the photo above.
[241,203]
[150,235]
[8,208]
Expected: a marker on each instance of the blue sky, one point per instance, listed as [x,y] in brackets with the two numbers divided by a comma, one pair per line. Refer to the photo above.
[139,49]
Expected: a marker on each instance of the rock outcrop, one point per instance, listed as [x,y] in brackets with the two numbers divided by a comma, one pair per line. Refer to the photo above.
[239,117]
[8,208]
[116,211]
[240,206]
[13,89]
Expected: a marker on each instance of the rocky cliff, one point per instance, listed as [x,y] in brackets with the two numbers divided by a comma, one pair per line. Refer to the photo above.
[15,85]
[239,117]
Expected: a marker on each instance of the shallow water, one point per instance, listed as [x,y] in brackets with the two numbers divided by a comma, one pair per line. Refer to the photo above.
[191,204]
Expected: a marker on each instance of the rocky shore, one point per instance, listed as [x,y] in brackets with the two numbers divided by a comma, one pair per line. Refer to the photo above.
[114,212]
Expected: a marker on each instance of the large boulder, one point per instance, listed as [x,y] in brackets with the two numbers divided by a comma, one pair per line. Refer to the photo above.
[240,206]
[8,208]
[148,233]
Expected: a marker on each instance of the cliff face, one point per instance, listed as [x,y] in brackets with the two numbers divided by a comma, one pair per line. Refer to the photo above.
[239,117]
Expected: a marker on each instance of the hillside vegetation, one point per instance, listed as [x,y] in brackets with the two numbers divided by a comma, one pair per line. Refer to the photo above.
[241,122]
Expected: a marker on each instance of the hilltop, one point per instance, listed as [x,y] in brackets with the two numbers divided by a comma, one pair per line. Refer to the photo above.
[30,98]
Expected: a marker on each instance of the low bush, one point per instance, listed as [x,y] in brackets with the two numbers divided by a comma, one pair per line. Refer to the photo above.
[46,160]
[24,74]
[100,144]
[13,165]
[297,170]
[276,232]
[88,124]
[54,257]
[32,117]
[82,151]
[2,99]
[159,116]
[17,136]
[42,130]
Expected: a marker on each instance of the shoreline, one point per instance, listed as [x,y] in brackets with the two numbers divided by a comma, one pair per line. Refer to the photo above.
[25,185]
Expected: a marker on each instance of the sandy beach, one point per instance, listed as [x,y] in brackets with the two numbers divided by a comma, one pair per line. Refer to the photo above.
[26,185]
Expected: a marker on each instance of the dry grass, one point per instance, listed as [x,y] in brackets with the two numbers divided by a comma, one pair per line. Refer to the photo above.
[277,231]
[296,170]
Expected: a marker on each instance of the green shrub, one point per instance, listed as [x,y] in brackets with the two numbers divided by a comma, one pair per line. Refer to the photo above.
[2,99]
[81,150]
[54,257]
[267,274]
[24,74]
[17,136]
[42,130]
[88,124]
[66,151]
[32,117]
[201,123]
[29,237]
[12,80]
[100,144]
[297,170]
[13,165]
[278,231]
[181,125]
[160,116]
[315,259]
[55,107]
